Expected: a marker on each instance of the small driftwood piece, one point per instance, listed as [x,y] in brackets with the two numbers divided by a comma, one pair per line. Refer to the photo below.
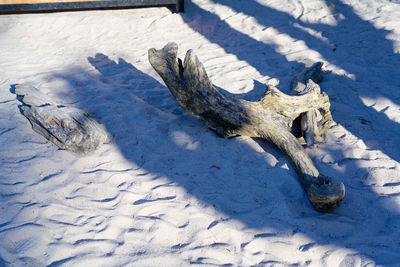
[270,118]
[67,127]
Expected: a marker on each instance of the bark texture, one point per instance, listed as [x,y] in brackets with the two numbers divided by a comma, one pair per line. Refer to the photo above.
[270,118]
[67,127]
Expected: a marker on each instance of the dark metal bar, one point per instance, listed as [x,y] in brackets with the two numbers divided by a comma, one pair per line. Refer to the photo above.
[180,7]
[59,6]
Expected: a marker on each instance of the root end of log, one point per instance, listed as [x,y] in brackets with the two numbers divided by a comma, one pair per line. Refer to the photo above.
[325,194]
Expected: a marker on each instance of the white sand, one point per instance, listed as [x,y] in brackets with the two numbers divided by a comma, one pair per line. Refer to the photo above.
[167,191]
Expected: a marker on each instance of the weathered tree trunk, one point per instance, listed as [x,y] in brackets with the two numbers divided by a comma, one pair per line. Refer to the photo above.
[270,118]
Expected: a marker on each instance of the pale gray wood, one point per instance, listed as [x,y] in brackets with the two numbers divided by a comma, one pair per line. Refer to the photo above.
[308,120]
[270,118]
[67,127]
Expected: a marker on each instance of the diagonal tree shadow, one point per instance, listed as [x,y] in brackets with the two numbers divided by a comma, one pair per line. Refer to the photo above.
[270,196]
[348,105]
[169,143]
[257,54]
[166,141]
[354,45]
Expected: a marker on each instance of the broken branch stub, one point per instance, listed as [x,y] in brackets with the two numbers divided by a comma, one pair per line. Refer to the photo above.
[312,123]
[270,118]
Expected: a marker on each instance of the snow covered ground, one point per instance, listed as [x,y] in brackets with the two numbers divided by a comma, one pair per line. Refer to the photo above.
[167,191]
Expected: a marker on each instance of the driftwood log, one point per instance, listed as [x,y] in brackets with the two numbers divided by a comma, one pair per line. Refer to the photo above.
[274,117]
[68,128]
